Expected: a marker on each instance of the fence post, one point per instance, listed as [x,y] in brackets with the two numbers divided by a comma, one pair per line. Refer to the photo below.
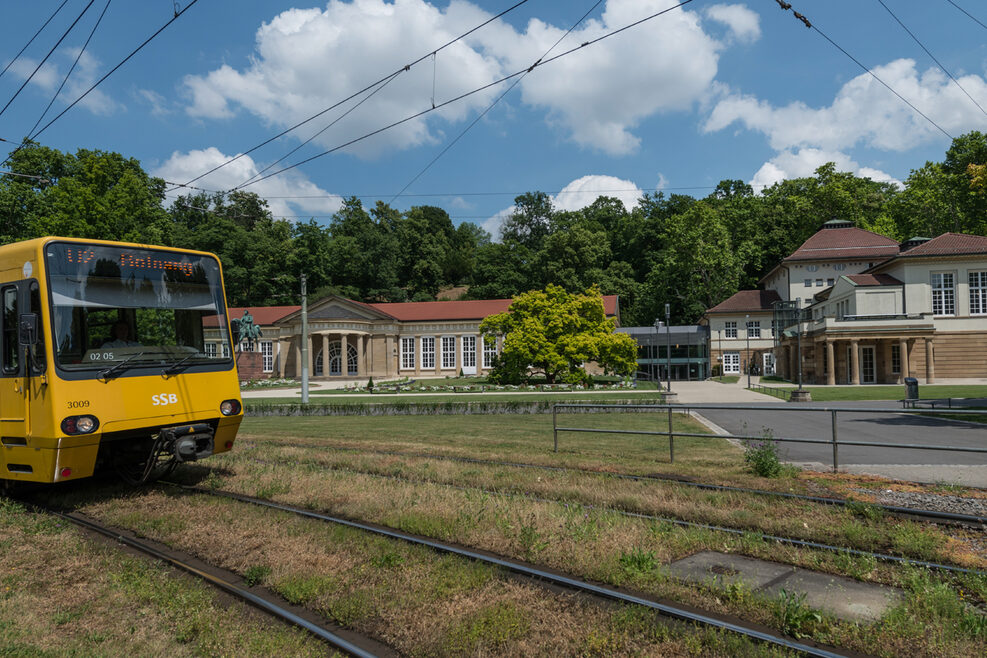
[555,427]
[671,439]
[836,461]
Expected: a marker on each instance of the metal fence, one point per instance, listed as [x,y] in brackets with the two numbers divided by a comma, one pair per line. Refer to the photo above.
[833,439]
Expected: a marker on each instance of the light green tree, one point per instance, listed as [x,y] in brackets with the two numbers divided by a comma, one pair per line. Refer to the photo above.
[555,333]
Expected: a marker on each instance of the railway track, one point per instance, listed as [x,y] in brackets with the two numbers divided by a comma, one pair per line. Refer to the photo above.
[354,646]
[933,516]
[555,578]
[791,541]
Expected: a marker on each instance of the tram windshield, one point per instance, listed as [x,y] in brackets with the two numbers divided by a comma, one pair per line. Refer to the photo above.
[145,307]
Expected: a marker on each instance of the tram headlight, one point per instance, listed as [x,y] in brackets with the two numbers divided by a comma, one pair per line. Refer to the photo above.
[80,425]
[229,407]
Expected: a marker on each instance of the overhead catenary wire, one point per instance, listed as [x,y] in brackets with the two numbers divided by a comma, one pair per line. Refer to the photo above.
[136,50]
[491,105]
[33,37]
[934,59]
[42,62]
[786,6]
[403,69]
[971,16]
[470,93]
[72,68]
[14,173]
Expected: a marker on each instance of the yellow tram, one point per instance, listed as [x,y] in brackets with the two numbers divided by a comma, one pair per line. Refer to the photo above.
[103,363]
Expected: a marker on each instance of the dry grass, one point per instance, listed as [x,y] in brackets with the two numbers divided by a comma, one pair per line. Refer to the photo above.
[846,527]
[61,594]
[417,601]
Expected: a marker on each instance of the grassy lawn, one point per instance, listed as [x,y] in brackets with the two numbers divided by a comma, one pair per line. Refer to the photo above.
[727,379]
[424,603]
[896,392]
[65,595]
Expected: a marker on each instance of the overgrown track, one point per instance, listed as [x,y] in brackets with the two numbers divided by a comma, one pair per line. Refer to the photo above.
[667,609]
[791,541]
[932,516]
[267,605]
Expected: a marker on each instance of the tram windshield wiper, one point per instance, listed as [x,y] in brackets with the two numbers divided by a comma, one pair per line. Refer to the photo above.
[176,368]
[118,368]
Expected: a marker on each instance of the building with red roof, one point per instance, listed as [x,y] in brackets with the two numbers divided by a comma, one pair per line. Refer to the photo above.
[351,339]
[873,311]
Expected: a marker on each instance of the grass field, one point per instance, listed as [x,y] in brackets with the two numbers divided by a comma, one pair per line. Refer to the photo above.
[424,603]
[873,392]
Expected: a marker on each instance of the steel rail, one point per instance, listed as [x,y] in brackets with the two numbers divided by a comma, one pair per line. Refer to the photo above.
[791,541]
[840,502]
[234,590]
[536,573]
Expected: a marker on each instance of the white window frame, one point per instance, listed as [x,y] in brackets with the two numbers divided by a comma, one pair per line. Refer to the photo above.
[943,286]
[808,283]
[895,359]
[211,349]
[226,350]
[978,292]
[731,363]
[489,351]
[730,330]
[469,352]
[448,352]
[407,353]
[428,353]
[754,329]
[267,355]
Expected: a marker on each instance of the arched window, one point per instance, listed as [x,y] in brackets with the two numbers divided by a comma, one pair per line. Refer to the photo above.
[335,362]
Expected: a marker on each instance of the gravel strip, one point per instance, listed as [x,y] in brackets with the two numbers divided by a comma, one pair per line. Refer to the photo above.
[935,502]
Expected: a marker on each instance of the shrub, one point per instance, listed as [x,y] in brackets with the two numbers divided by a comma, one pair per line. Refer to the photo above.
[763,457]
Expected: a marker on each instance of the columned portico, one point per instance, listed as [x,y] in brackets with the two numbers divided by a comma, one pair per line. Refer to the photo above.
[903,351]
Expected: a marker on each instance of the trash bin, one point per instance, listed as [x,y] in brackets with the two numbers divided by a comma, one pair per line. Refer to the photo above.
[911,388]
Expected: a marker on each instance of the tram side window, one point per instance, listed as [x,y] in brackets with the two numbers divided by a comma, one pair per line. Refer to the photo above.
[38,353]
[9,325]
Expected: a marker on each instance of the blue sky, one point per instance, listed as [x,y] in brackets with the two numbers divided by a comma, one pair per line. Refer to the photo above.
[706,92]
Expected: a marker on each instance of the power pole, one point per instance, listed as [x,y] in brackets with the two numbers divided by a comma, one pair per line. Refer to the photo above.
[304,341]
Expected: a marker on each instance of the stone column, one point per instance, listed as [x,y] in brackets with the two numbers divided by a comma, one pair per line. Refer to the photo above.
[390,356]
[459,355]
[439,352]
[325,356]
[311,356]
[283,347]
[418,355]
[930,365]
[903,349]
[344,359]
[855,361]
[298,356]
[361,368]
[830,363]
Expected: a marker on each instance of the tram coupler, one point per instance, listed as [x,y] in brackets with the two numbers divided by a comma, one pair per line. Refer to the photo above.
[189,443]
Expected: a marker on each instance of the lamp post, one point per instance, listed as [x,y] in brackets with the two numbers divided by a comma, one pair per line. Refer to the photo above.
[668,346]
[304,363]
[747,331]
[655,350]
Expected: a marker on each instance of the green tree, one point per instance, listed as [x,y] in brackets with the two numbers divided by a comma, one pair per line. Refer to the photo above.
[554,333]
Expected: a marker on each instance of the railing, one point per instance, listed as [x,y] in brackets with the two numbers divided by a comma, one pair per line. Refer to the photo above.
[949,403]
[832,441]
[782,393]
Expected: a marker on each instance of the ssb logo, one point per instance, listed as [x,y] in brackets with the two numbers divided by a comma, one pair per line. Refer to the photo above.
[164,398]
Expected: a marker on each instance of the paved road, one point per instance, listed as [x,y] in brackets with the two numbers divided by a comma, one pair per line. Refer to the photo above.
[887,428]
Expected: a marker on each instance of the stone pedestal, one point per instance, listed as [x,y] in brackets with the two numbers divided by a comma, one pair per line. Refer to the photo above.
[800,396]
[250,365]
[670,398]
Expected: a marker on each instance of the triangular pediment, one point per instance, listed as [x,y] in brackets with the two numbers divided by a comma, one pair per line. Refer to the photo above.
[337,308]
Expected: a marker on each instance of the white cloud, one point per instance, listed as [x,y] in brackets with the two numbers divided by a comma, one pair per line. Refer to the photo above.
[50,76]
[308,59]
[600,94]
[804,162]
[181,167]
[742,22]
[864,112]
[494,224]
[584,191]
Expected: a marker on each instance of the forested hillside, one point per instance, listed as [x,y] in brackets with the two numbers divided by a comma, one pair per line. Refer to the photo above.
[690,252]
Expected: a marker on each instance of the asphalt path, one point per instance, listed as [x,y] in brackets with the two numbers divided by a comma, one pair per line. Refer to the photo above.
[885,427]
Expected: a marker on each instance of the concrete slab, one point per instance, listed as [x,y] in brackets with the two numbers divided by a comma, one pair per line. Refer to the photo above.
[725,569]
[843,597]
[847,599]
